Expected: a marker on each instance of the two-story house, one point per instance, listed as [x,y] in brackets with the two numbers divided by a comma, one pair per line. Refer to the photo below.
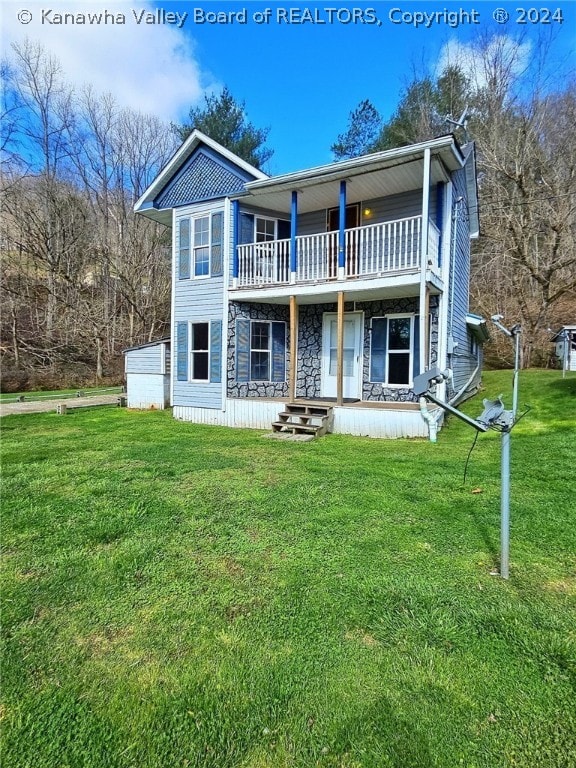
[320,293]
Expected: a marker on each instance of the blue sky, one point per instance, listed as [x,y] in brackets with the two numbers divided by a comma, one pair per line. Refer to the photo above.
[300,79]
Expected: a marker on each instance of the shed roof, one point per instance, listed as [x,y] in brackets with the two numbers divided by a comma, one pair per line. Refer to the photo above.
[165,340]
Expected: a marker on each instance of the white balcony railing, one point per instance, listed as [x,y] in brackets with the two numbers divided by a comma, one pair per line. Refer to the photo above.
[379,249]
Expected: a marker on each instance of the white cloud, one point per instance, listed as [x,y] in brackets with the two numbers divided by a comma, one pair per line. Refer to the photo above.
[148,67]
[501,57]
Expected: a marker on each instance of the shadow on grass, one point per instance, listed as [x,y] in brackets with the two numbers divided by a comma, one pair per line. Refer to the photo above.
[387,738]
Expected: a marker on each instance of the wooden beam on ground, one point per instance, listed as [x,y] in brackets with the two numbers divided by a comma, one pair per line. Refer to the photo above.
[340,351]
[293,348]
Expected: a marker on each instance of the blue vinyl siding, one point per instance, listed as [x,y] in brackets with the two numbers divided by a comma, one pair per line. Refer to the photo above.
[147,359]
[462,361]
[382,209]
[199,301]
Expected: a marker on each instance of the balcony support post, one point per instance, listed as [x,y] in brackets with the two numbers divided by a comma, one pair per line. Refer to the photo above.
[293,234]
[342,232]
[423,305]
[293,349]
[235,238]
[340,351]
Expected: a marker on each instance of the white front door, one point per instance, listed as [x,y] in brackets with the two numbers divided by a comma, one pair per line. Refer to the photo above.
[352,362]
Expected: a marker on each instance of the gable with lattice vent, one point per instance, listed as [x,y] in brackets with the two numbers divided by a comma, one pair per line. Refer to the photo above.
[203,177]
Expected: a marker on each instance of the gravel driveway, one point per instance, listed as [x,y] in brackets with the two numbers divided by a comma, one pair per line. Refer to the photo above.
[43,406]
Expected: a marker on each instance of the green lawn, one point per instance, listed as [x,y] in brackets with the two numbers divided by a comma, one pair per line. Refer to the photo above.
[179,595]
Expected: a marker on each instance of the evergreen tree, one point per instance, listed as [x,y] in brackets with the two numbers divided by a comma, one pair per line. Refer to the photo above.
[224,120]
[364,128]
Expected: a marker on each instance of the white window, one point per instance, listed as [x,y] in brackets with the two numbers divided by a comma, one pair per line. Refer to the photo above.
[393,346]
[260,345]
[399,350]
[264,230]
[201,249]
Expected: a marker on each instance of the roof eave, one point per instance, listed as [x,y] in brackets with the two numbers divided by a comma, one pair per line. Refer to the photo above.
[344,168]
[478,327]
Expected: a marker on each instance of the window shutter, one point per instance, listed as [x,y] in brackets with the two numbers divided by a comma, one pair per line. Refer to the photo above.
[416,347]
[182,351]
[246,234]
[279,351]
[378,342]
[216,266]
[243,350]
[216,351]
[184,249]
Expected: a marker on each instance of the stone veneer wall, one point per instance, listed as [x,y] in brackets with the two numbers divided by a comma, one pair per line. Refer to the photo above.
[255,312]
[310,316]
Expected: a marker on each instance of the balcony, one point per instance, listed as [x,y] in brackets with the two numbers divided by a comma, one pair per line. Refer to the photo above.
[378,250]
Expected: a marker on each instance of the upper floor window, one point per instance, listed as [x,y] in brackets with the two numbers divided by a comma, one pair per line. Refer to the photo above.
[200,245]
[265,230]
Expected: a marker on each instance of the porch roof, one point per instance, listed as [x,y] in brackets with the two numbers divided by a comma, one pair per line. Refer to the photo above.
[371,176]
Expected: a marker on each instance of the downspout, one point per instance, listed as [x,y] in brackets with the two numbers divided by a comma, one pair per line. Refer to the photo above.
[430,418]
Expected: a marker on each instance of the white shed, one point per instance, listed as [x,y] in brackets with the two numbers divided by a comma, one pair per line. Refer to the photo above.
[147,368]
[565,341]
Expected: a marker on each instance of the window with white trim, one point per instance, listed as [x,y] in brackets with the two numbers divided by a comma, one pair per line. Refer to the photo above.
[399,350]
[260,350]
[199,351]
[201,249]
[264,230]
[394,349]
[260,343]
[200,246]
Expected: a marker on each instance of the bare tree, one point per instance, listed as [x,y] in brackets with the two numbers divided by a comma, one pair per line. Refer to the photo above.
[83,277]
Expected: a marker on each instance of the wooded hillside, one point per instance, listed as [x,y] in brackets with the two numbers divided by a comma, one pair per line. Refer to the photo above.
[82,276]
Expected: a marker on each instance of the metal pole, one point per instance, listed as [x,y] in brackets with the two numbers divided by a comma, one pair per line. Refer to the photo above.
[516,373]
[505,504]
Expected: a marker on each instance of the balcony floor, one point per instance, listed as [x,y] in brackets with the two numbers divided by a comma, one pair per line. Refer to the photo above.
[403,285]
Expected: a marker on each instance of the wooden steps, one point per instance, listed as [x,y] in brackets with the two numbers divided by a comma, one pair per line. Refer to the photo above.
[304,419]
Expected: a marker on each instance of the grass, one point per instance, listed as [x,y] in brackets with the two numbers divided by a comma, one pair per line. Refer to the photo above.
[182,595]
